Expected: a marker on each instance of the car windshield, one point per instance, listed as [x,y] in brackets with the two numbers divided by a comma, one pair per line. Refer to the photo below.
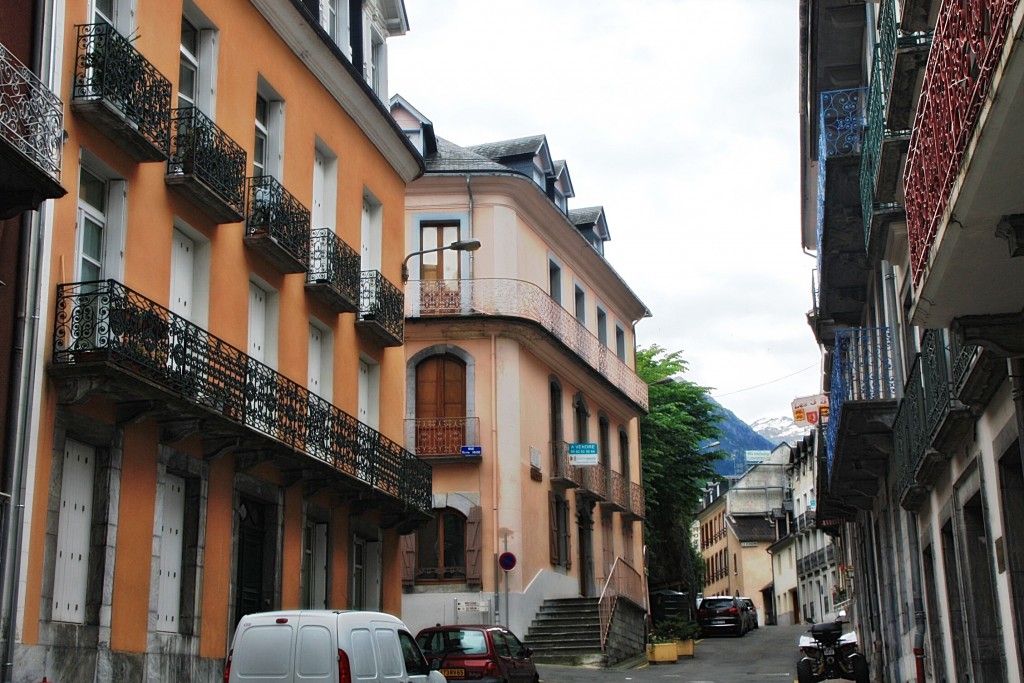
[716,603]
[455,641]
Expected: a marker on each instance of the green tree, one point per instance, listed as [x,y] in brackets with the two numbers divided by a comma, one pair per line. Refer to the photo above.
[676,464]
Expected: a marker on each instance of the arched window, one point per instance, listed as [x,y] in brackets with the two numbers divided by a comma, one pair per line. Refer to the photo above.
[441,548]
[440,405]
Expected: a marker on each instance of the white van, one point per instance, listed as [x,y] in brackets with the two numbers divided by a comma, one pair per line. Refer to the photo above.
[324,646]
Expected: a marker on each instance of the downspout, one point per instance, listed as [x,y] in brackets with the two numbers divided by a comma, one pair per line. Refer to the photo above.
[469,221]
[892,317]
[494,478]
[21,391]
[920,623]
[1016,366]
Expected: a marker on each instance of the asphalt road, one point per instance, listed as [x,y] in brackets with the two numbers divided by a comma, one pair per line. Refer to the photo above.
[767,655]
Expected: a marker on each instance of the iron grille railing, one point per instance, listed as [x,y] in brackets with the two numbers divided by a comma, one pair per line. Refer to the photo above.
[381,302]
[109,68]
[842,122]
[967,45]
[333,262]
[105,321]
[964,356]
[440,436]
[525,300]
[31,117]
[561,470]
[273,212]
[202,149]
[861,371]
[594,480]
[637,501]
[624,582]
[618,489]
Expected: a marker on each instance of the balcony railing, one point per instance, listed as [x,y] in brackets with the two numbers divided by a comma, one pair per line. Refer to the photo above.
[122,93]
[105,322]
[967,45]
[443,436]
[561,471]
[31,119]
[594,481]
[637,502]
[861,371]
[842,122]
[618,491]
[333,274]
[277,225]
[527,301]
[207,165]
[380,308]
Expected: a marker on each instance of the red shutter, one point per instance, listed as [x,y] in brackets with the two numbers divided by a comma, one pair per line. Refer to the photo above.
[474,546]
[407,546]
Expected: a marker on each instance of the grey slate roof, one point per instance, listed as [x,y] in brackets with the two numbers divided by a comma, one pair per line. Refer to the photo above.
[586,215]
[752,528]
[451,157]
[504,149]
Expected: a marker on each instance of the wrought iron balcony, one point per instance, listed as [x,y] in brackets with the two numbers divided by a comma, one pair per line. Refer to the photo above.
[526,301]
[842,122]
[618,492]
[333,275]
[108,338]
[637,502]
[121,93]
[31,129]
[380,309]
[277,225]
[931,422]
[862,409]
[206,165]
[593,482]
[562,472]
[441,437]
[968,44]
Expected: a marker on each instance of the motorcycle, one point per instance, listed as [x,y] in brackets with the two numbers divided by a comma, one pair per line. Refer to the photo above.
[829,653]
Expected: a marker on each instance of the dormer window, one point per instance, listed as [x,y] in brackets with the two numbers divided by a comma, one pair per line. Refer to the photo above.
[539,177]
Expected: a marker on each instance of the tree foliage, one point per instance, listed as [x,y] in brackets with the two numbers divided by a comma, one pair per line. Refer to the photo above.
[677,464]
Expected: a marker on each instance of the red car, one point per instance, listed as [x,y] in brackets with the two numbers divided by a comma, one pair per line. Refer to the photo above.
[488,654]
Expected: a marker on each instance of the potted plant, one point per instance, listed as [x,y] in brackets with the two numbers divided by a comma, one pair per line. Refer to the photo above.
[661,647]
[682,632]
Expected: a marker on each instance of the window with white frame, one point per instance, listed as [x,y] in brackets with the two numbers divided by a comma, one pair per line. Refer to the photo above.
[620,343]
[188,66]
[100,239]
[555,281]
[268,146]
[197,64]
[580,299]
[320,361]
[74,524]
[602,326]
[325,186]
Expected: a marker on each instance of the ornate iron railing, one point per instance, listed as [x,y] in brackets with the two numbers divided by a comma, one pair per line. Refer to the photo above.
[874,133]
[109,68]
[31,117]
[202,149]
[842,122]
[561,470]
[618,489]
[594,480]
[963,358]
[381,302]
[637,501]
[525,300]
[273,212]
[624,582]
[440,436]
[967,45]
[104,321]
[333,262]
[861,371]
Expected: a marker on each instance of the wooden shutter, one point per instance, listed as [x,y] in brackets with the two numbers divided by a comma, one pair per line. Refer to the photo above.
[407,546]
[554,540]
[566,534]
[172,522]
[71,571]
[474,546]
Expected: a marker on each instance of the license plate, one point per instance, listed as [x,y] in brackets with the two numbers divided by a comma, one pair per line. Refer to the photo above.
[719,622]
[453,673]
[830,651]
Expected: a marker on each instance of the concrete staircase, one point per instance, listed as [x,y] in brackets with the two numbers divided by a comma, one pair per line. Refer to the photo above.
[567,631]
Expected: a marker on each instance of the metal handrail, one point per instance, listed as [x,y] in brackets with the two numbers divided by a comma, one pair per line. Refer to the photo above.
[623,582]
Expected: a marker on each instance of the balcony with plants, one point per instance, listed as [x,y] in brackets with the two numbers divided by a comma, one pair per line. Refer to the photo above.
[333,275]
[111,341]
[277,225]
[121,93]
[842,268]
[31,138]
[381,306]
[525,302]
[206,165]
[965,213]
[862,405]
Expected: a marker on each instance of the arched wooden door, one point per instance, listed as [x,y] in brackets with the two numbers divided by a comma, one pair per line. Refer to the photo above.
[440,405]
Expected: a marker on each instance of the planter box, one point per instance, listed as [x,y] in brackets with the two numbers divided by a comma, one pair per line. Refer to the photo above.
[661,652]
[685,648]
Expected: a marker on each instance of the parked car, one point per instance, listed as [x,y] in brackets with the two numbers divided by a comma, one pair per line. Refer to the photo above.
[328,646]
[488,654]
[721,614]
[751,612]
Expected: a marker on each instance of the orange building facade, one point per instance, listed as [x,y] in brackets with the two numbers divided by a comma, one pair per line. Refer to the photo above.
[221,318]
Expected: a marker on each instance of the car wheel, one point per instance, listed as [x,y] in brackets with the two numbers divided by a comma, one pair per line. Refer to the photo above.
[740,631]
[860,669]
[805,672]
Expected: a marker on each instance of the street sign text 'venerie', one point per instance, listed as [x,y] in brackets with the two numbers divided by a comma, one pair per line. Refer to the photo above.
[582,454]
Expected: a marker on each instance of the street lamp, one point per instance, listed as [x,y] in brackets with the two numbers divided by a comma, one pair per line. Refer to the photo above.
[460,245]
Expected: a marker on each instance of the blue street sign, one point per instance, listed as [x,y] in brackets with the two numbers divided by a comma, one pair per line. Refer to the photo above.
[472,450]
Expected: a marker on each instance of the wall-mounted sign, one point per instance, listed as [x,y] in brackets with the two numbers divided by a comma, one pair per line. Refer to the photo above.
[507,561]
[582,454]
[472,450]
[810,410]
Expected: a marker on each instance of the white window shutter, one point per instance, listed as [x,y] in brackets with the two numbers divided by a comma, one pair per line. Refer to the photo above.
[171,546]
[71,573]
[318,594]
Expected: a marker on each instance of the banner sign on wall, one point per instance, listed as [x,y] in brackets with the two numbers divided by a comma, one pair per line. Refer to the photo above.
[810,410]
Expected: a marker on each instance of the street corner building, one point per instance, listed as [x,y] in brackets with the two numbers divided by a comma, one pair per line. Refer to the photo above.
[519,352]
[202,313]
[911,125]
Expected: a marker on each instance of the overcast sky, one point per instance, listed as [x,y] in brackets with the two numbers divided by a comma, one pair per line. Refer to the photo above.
[680,118]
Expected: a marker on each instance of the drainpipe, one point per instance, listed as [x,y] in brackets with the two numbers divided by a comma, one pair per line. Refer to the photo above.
[494,479]
[920,624]
[469,222]
[892,316]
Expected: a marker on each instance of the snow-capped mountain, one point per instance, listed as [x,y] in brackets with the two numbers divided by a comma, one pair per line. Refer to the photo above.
[779,429]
